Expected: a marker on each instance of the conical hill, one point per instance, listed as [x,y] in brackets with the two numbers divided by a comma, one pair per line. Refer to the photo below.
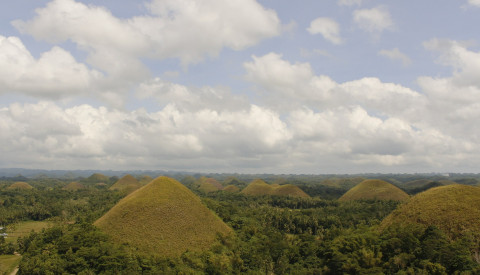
[126,184]
[374,190]
[258,187]
[163,218]
[289,190]
[97,177]
[19,185]
[455,209]
[74,186]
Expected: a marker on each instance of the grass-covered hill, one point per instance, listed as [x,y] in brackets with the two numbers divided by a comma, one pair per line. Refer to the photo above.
[455,209]
[231,188]
[126,184]
[163,218]
[19,185]
[73,186]
[97,178]
[374,190]
[258,187]
[207,185]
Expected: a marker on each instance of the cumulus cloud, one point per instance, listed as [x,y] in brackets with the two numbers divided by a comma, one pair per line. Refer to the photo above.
[327,27]
[83,135]
[366,121]
[375,20]
[396,54]
[54,74]
[191,98]
[285,86]
[454,100]
[187,30]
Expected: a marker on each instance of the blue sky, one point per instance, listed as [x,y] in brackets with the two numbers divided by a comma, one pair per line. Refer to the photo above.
[275,86]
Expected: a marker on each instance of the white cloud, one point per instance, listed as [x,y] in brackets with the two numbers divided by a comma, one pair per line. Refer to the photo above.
[84,136]
[475,3]
[191,98]
[327,27]
[370,122]
[285,86]
[454,101]
[396,54]
[349,2]
[187,29]
[55,74]
[375,20]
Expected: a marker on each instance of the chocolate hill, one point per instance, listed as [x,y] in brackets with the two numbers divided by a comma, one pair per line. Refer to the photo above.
[374,190]
[126,184]
[455,209]
[163,218]
[19,185]
[258,187]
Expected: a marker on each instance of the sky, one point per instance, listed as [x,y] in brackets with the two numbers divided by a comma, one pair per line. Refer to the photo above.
[241,86]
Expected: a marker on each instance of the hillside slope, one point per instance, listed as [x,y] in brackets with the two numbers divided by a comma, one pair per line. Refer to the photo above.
[455,209]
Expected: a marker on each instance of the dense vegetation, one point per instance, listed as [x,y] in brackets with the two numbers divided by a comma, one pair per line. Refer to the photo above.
[272,235]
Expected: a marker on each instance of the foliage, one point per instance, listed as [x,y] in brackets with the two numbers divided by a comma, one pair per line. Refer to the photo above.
[272,234]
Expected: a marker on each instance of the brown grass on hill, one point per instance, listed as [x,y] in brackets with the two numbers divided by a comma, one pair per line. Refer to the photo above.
[73,186]
[455,209]
[126,184]
[289,190]
[97,177]
[163,218]
[231,189]
[374,190]
[258,187]
[19,185]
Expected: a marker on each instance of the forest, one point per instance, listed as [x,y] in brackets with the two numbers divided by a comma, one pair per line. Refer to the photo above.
[272,233]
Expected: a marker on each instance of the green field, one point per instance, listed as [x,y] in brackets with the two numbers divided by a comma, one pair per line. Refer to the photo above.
[22,229]
[8,263]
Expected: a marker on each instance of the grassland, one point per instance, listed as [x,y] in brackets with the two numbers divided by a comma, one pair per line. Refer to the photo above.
[374,189]
[163,218]
[8,263]
[454,208]
[22,229]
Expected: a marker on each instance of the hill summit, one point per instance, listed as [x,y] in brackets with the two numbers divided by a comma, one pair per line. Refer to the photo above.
[127,184]
[374,190]
[455,209]
[258,187]
[163,218]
